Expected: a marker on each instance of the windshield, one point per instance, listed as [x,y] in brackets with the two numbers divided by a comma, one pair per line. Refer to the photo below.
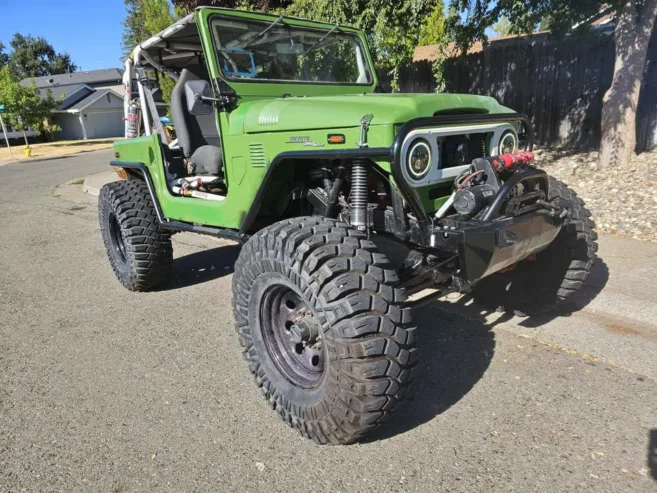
[276,51]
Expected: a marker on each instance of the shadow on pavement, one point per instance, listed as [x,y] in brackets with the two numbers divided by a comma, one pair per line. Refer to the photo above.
[455,352]
[203,266]
[456,347]
[652,454]
[594,284]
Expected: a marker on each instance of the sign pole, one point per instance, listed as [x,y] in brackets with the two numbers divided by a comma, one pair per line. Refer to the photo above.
[4,131]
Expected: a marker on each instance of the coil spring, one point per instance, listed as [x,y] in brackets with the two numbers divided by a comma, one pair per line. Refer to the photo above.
[359,194]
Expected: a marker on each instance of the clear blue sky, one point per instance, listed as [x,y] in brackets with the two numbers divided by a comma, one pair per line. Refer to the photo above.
[89,30]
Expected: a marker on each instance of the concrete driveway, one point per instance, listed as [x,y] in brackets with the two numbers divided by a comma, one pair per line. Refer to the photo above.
[106,390]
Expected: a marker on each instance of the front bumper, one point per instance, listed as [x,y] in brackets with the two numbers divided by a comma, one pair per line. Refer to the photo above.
[486,248]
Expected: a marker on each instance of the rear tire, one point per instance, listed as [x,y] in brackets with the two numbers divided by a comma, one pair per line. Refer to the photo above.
[139,249]
[320,279]
[556,274]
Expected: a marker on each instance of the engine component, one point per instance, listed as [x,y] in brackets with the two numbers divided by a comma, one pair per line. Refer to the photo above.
[468,201]
[359,194]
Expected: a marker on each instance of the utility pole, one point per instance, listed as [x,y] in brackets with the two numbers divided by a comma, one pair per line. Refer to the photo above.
[4,130]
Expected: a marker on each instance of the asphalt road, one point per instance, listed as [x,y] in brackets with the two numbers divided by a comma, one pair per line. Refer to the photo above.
[106,390]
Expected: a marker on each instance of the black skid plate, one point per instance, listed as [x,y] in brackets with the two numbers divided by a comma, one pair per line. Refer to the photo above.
[487,247]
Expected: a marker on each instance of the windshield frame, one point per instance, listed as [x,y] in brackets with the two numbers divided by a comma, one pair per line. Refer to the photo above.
[357,36]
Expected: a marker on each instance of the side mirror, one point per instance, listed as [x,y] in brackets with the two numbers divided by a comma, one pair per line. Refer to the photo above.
[199,98]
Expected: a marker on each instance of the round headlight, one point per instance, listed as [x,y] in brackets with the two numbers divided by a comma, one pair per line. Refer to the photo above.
[508,143]
[419,159]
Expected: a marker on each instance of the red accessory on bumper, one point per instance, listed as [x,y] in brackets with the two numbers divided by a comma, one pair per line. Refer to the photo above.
[512,161]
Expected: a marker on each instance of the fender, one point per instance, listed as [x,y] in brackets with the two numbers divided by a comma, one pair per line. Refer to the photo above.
[381,153]
[227,234]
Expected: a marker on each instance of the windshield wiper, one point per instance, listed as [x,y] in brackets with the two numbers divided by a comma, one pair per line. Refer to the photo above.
[316,43]
[262,33]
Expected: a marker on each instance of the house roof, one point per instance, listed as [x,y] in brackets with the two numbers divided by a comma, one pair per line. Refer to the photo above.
[90,99]
[602,21]
[76,91]
[77,78]
[431,52]
[70,94]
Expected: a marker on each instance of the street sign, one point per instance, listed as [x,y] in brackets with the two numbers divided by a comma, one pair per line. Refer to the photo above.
[4,130]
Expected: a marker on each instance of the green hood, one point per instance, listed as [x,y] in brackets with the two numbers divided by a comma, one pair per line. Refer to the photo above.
[331,112]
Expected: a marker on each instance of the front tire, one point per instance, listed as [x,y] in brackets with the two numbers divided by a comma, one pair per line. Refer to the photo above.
[556,274]
[138,248]
[323,328]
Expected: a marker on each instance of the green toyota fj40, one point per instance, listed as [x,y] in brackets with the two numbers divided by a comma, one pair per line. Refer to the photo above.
[347,202]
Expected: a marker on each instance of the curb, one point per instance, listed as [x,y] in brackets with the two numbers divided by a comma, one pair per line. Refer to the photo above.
[93,183]
[90,190]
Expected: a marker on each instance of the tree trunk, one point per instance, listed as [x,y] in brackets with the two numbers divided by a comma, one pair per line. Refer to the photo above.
[25,137]
[632,35]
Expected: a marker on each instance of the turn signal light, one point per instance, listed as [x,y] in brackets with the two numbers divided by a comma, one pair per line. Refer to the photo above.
[336,139]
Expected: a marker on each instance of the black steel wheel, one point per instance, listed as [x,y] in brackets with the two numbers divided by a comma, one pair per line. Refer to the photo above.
[116,239]
[324,330]
[138,248]
[292,335]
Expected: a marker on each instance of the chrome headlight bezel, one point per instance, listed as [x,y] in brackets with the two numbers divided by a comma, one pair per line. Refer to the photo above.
[506,135]
[417,146]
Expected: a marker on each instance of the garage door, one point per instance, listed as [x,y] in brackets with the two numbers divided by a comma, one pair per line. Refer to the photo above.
[106,124]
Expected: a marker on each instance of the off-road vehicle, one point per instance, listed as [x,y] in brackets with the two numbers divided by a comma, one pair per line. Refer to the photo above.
[347,202]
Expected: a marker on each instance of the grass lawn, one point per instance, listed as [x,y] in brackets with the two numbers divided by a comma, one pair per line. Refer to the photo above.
[59,148]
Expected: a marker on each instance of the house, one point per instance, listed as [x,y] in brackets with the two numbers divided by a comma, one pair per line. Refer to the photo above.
[92,104]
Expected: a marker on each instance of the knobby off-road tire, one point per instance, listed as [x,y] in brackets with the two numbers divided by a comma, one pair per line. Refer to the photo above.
[365,353]
[557,272]
[139,249]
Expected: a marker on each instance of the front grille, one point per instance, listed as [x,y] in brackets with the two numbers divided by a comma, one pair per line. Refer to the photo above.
[457,150]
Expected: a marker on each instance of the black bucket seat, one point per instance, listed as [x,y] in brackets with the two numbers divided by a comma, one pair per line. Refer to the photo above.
[198,136]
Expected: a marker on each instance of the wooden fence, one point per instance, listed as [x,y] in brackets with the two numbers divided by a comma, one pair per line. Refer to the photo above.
[559,86]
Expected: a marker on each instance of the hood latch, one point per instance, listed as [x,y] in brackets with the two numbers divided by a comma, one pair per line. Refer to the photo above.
[364,127]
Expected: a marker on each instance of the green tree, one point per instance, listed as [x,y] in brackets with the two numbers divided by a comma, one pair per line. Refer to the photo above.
[434,26]
[145,18]
[186,6]
[26,106]
[635,22]
[134,31]
[4,57]
[503,27]
[157,17]
[36,57]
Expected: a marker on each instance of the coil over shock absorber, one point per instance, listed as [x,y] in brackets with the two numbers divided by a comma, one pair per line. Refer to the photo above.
[359,194]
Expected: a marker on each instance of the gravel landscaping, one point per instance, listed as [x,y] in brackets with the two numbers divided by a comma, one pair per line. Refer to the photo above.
[623,199]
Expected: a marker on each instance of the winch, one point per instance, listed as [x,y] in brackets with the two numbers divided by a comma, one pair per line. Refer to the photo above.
[477,187]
